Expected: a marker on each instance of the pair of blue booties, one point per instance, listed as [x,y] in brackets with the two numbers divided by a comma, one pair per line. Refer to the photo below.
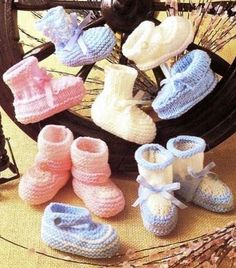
[189,81]
[178,168]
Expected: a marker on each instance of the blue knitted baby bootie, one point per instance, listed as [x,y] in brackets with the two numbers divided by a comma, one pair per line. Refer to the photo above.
[157,203]
[74,45]
[198,184]
[191,80]
[71,229]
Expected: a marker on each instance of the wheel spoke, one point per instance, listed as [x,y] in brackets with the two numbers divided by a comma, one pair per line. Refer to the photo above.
[98,22]
[41,52]
[123,60]
[158,74]
[185,7]
[46,4]
[84,71]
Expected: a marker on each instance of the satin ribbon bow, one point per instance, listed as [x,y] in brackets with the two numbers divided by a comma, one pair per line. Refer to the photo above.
[77,34]
[192,181]
[43,81]
[124,103]
[164,190]
[170,79]
[137,100]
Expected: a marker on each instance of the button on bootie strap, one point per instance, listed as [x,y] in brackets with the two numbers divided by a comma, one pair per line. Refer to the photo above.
[164,190]
[67,216]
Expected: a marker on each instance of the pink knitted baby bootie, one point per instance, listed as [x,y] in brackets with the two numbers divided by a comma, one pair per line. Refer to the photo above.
[51,169]
[37,95]
[91,181]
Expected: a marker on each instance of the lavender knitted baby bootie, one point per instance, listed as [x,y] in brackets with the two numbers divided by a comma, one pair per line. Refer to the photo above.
[157,203]
[74,45]
[71,229]
[198,184]
[191,80]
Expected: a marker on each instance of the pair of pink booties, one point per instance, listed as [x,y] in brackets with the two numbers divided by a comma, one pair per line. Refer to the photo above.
[87,158]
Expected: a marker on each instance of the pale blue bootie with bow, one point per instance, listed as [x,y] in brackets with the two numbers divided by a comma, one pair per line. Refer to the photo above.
[190,81]
[198,184]
[71,229]
[74,45]
[157,203]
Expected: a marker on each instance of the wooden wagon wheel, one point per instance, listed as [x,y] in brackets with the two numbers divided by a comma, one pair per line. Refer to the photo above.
[214,118]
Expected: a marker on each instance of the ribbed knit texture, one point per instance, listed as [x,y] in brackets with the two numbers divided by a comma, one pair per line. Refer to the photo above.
[91,181]
[57,25]
[159,214]
[51,169]
[211,193]
[71,229]
[191,81]
[149,45]
[37,95]
[115,111]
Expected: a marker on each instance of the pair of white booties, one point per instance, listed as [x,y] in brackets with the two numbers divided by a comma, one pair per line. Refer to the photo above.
[178,168]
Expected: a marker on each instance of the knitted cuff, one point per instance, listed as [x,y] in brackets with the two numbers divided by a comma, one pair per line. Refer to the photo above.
[135,43]
[62,164]
[89,153]
[20,70]
[193,67]
[119,80]
[54,142]
[159,163]
[56,25]
[98,176]
[186,146]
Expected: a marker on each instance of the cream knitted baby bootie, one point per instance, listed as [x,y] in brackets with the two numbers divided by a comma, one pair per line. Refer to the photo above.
[157,203]
[91,181]
[198,184]
[115,108]
[51,169]
[149,45]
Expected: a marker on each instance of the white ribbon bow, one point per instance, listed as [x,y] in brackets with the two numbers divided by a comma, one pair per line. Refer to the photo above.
[163,190]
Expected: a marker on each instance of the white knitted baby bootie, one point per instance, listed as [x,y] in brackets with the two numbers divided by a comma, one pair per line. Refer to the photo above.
[157,203]
[150,45]
[115,108]
[198,184]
